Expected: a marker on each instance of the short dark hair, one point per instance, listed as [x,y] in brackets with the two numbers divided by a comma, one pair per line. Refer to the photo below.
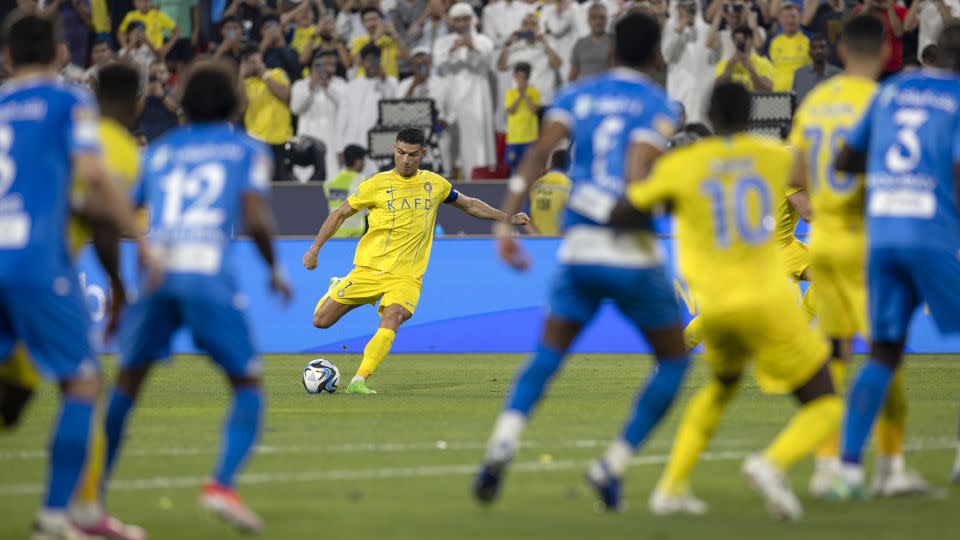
[743,29]
[369,50]
[560,160]
[929,54]
[118,83]
[411,135]
[370,9]
[523,67]
[319,54]
[864,35]
[210,92]
[31,39]
[100,41]
[819,37]
[352,153]
[637,39]
[134,26]
[729,108]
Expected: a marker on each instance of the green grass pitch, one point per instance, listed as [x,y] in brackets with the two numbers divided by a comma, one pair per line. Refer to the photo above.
[399,464]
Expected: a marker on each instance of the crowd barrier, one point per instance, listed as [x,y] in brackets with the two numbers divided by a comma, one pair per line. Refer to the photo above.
[471,303]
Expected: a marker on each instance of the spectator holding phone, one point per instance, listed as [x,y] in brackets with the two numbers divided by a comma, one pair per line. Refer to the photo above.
[231,39]
[276,53]
[751,70]
[732,15]
[158,103]
[138,50]
[930,16]
[689,61]
[384,35]
[316,101]
[527,45]
[267,117]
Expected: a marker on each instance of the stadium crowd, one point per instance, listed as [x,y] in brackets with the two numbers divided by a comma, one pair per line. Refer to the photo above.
[313,70]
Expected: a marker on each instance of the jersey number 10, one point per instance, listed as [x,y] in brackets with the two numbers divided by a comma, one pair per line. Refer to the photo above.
[750,229]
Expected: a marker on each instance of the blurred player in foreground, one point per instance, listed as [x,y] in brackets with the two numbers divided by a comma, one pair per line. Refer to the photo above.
[393,254]
[908,143]
[723,191]
[620,123]
[48,136]
[549,194]
[838,242]
[202,182]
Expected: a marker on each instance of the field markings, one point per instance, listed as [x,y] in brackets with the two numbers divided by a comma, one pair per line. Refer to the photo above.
[424,471]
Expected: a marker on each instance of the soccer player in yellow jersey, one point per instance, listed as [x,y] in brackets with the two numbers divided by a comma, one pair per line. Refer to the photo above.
[838,242]
[549,194]
[723,191]
[392,256]
[117,96]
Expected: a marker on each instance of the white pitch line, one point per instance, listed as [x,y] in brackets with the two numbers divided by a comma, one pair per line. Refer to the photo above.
[425,471]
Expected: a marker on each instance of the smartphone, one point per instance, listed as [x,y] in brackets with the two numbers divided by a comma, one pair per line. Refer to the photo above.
[423,70]
[525,34]
[232,34]
[742,46]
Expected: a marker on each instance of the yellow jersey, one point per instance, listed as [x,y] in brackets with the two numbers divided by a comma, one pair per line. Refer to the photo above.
[403,213]
[100,16]
[121,157]
[741,75]
[157,23]
[787,219]
[724,192]
[267,118]
[523,126]
[548,198]
[787,54]
[819,128]
[389,52]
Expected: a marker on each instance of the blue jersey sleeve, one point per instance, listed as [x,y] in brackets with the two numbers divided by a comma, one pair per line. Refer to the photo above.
[956,143]
[657,125]
[859,138]
[561,110]
[83,129]
[260,171]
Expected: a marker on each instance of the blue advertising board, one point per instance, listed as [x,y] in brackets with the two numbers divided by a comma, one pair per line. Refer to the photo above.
[471,303]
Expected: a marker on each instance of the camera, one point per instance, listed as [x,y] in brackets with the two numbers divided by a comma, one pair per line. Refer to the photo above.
[742,46]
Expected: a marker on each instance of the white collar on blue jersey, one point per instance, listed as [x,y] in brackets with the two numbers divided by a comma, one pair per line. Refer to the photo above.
[629,74]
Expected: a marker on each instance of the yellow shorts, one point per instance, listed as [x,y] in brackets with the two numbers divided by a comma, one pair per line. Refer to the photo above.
[841,301]
[774,334]
[368,286]
[796,258]
[19,370]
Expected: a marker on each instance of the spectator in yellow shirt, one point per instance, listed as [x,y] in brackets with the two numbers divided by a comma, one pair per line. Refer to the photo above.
[754,72]
[523,104]
[157,24]
[789,50]
[267,117]
[385,36]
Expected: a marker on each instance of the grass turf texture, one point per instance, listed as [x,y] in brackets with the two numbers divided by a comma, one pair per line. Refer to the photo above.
[400,464]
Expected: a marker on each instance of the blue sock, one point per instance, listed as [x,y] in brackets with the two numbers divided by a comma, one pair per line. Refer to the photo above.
[240,432]
[533,378]
[115,424]
[655,399]
[68,451]
[863,404]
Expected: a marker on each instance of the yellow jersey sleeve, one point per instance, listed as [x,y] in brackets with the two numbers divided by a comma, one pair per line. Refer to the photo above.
[364,197]
[278,76]
[165,22]
[721,67]
[127,19]
[764,67]
[658,187]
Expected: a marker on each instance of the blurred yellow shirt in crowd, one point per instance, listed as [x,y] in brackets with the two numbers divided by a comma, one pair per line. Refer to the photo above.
[157,24]
[389,52]
[788,53]
[267,118]
[523,126]
[741,75]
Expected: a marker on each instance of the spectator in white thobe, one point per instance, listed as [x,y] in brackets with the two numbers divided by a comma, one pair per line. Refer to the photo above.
[689,61]
[359,109]
[315,100]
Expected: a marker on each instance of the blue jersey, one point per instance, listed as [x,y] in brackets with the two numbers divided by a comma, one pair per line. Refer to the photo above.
[605,114]
[44,124]
[193,180]
[911,134]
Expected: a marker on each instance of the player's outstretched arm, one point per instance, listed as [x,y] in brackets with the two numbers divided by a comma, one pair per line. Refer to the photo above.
[330,226]
[260,227]
[851,161]
[482,210]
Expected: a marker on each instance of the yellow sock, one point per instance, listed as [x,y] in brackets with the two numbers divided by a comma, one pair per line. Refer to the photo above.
[892,421]
[808,304]
[89,489]
[375,351]
[830,448]
[806,430]
[693,333]
[699,422]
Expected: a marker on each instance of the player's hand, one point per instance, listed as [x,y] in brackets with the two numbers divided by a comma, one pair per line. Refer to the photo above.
[512,253]
[310,259]
[280,285]
[520,219]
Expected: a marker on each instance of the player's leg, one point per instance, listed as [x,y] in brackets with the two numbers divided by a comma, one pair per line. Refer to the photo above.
[646,297]
[892,299]
[572,306]
[397,306]
[328,312]
[222,330]
[891,476]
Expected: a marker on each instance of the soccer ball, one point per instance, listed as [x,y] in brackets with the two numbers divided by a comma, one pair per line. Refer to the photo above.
[321,377]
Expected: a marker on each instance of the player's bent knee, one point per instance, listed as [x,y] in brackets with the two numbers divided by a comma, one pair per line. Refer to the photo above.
[819,385]
[85,387]
[322,321]
[13,401]
[394,316]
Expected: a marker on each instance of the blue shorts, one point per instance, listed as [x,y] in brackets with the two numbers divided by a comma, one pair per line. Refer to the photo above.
[899,280]
[513,153]
[219,328]
[645,296]
[53,323]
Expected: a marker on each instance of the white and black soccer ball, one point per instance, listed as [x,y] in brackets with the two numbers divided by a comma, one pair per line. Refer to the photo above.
[321,377]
